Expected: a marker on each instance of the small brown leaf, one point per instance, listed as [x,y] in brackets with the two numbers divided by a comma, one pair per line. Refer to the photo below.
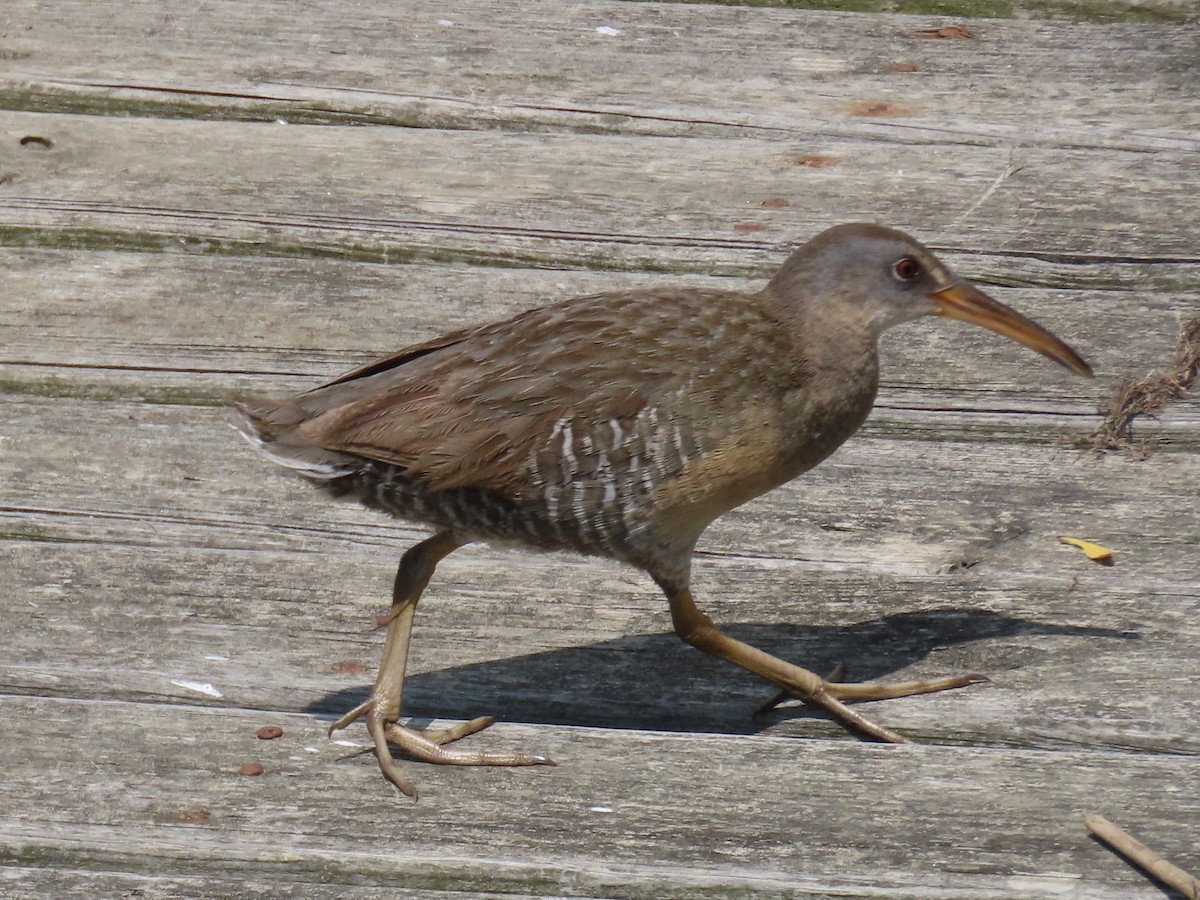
[877,108]
[902,67]
[195,816]
[776,203]
[947,32]
[349,667]
[269,732]
[815,161]
[251,769]
[747,226]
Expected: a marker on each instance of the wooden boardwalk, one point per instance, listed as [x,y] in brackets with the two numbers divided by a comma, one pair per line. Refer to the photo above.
[196,198]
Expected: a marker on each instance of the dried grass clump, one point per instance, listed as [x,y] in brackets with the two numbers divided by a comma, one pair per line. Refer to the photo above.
[1145,397]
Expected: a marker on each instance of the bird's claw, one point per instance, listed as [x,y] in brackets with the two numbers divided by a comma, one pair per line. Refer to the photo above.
[351,717]
[428,745]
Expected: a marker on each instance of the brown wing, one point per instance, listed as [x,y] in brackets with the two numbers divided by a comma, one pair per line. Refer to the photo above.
[399,358]
[476,408]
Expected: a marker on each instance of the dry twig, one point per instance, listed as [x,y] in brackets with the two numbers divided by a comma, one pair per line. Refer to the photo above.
[1143,857]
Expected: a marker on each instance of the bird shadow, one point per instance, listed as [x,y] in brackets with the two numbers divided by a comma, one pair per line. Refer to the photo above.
[655,682]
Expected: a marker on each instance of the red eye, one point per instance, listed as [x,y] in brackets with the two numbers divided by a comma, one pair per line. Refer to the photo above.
[906,268]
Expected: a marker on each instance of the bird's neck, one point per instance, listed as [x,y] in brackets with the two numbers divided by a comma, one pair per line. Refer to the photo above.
[841,361]
[841,351]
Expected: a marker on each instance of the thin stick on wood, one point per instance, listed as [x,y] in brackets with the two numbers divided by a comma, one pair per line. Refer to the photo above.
[1143,857]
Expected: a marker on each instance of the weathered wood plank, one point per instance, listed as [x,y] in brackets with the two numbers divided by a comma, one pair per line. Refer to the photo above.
[840,819]
[142,547]
[667,69]
[609,201]
[713,828]
[37,882]
[178,328]
[568,644]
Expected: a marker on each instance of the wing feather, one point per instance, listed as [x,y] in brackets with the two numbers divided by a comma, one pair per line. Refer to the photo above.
[478,408]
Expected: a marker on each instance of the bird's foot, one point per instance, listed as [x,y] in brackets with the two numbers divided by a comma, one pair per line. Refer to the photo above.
[831,694]
[427,745]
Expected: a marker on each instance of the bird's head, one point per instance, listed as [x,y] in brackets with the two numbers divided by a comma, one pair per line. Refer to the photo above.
[873,277]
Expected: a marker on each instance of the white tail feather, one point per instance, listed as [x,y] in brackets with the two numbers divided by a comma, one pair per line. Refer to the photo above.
[292,458]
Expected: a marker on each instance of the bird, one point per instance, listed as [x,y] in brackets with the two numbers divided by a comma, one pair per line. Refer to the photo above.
[621,425]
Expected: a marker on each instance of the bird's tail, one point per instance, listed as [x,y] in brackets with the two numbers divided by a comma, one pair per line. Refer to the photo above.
[271,426]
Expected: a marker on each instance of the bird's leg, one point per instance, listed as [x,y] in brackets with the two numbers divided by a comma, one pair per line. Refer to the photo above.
[382,708]
[697,629]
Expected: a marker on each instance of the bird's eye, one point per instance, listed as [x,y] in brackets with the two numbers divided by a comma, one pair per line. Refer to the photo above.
[906,268]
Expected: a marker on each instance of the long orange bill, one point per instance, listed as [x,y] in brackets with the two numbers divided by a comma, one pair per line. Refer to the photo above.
[962,301]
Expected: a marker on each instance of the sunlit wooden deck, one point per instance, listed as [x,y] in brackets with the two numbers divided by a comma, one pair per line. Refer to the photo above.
[198,198]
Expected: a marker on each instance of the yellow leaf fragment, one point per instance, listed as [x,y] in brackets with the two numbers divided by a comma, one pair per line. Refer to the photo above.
[1092,551]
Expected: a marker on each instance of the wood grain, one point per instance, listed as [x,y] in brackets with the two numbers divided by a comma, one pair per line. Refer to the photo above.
[230,197]
[854,811]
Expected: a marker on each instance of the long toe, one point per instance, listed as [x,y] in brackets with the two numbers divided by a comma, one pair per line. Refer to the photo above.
[420,746]
[387,765]
[873,690]
[832,697]
[458,732]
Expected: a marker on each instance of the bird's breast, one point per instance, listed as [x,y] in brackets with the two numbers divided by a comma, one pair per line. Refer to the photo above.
[822,415]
